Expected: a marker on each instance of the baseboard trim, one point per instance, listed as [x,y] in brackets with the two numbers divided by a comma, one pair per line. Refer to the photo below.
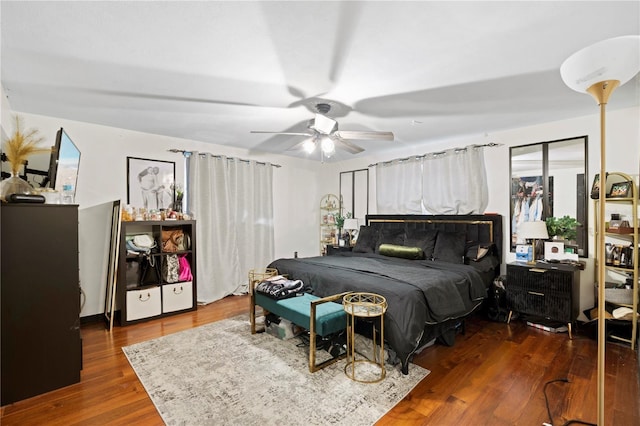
[90,319]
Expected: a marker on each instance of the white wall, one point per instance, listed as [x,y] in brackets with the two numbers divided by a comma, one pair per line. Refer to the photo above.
[623,154]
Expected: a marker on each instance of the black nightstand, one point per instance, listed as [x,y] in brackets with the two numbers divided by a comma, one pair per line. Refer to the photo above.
[337,249]
[550,291]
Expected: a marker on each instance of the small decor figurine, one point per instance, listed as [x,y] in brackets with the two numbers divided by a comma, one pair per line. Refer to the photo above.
[18,148]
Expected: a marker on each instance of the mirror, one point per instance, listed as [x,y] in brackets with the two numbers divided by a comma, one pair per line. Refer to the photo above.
[354,193]
[549,179]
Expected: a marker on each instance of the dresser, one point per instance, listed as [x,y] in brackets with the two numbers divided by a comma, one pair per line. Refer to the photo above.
[548,291]
[40,298]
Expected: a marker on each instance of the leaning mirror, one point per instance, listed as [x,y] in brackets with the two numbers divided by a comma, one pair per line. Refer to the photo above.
[548,180]
[354,193]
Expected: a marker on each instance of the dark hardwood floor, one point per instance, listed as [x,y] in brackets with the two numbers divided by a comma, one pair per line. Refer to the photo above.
[494,375]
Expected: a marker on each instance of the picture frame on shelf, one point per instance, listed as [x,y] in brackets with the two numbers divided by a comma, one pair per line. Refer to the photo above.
[554,250]
[595,186]
[621,190]
[150,183]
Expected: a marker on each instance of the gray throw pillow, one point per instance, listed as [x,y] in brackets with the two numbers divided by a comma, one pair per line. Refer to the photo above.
[367,240]
[450,247]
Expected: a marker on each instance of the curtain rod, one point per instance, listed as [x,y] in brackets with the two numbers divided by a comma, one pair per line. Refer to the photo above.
[188,153]
[437,153]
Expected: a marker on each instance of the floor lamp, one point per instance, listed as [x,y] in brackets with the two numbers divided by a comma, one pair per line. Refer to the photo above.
[598,70]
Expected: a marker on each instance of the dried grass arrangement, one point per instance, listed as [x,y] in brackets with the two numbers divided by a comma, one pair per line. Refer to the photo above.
[21,145]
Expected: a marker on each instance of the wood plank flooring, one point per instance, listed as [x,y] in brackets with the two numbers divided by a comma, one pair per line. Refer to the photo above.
[494,375]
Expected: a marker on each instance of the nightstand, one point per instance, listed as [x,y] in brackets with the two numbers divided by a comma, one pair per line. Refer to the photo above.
[545,290]
[336,249]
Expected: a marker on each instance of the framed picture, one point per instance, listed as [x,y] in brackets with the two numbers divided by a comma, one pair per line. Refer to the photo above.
[553,250]
[149,183]
[595,187]
[621,189]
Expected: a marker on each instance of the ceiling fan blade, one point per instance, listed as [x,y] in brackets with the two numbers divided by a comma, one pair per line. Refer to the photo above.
[281,133]
[362,135]
[347,146]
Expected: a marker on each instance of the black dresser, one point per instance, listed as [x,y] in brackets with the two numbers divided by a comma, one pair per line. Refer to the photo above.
[40,299]
[545,291]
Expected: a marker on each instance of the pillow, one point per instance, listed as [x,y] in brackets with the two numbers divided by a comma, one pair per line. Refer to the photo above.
[404,252]
[476,252]
[486,263]
[367,240]
[423,238]
[393,236]
[450,247]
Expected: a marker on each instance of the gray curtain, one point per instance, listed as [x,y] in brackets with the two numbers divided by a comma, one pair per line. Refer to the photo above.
[232,201]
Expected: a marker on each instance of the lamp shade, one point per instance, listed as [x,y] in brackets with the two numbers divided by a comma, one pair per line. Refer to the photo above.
[616,58]
[350,224]
[535,230]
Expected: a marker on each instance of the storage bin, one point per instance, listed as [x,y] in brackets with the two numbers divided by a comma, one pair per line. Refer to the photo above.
[143,303]
[176,297]
[620,296]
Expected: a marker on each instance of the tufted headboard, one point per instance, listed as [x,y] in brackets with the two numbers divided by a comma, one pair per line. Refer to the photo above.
[479,228]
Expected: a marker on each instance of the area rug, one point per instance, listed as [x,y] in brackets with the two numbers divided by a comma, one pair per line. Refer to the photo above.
[221,374]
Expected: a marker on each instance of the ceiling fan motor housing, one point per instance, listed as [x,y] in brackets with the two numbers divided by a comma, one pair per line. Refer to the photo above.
[324,125]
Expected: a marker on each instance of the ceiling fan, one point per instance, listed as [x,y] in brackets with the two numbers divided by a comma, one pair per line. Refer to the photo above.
[323,131]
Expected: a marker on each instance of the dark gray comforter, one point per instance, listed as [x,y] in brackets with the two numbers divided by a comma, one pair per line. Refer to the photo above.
[419,293]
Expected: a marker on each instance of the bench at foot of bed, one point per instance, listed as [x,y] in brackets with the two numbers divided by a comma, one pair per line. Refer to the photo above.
[321,316]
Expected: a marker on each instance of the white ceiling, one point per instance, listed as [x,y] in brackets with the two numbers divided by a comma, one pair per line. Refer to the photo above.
[212,71]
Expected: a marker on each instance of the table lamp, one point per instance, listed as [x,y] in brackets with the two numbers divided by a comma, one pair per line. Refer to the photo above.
[350,225]
[535,230]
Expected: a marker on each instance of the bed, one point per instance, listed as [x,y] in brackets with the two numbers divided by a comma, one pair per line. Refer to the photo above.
[434,270]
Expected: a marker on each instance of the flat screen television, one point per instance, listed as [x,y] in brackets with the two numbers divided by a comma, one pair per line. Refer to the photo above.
[64,164]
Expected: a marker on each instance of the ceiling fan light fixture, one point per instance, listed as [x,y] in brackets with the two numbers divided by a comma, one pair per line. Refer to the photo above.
[309,146]
[328,146]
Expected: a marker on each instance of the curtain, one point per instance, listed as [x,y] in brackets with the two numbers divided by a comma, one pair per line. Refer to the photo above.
[399,186]
[449,182]
[232,201]
[455,182]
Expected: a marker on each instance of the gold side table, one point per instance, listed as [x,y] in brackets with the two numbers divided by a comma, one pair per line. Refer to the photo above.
[367,306]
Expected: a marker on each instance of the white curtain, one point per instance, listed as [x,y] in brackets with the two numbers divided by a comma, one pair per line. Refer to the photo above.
[449,182]
[232,201]
[455,182]
[399,186]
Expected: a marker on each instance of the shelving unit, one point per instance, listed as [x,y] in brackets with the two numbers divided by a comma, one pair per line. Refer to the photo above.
[329,208]
[625,237]
[138,301]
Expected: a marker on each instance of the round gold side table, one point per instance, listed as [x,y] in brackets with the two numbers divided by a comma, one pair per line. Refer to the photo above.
[367,306]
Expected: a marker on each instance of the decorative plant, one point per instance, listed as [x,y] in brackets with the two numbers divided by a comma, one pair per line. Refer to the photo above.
[179,193]
[563,227]
[340,220]
[21,145]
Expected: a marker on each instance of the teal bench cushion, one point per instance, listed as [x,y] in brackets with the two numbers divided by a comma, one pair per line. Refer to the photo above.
[330,316]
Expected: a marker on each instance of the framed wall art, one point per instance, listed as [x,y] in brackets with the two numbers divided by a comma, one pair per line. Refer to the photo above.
[595,187]
[621,189]
[150,183]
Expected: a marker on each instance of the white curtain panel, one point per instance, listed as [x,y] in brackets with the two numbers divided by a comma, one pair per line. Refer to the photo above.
[399,187]
[232,201]
[455,182]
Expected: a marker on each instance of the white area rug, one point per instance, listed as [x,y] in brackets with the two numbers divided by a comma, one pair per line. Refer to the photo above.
[221,374]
